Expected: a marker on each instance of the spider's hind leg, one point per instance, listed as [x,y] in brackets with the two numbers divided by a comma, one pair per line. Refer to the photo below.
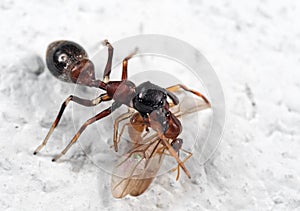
[75,99]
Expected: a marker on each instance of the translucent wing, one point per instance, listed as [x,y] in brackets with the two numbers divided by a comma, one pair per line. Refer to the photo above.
[135,170]
[189,105]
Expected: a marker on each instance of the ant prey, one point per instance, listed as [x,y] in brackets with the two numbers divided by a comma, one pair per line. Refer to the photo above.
[152,106]
[136,169]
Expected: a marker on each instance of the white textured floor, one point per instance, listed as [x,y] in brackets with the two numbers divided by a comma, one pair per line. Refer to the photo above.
[253,46]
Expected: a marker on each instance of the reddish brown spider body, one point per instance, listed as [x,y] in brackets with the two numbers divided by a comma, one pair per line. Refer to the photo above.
[69,62]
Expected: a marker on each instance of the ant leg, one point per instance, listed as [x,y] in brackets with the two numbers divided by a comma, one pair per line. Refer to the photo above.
[134,135]
[116,127]
[125,64]
[178,86]
[99,116]
[107,69]
[174,154]
[122,131]
[185,159]
[78,100]
[141,149]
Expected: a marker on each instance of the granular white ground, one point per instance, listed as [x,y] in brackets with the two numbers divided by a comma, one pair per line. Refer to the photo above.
[253,46]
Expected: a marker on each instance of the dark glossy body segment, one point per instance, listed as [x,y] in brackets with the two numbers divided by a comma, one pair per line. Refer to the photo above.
[149,97]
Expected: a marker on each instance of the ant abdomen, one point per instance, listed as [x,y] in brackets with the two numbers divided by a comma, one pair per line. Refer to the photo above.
[69,62]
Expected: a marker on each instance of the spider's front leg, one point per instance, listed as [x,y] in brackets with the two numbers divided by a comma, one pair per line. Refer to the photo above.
[107,70]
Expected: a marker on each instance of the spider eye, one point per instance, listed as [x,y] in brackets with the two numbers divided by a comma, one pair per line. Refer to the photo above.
[79,57]
[63,57]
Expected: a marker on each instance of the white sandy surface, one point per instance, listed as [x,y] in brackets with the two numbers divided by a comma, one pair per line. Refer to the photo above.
[253,46]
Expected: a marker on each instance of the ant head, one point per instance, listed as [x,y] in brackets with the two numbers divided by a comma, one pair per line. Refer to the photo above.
[67,60]
[177,144]
[159,119]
